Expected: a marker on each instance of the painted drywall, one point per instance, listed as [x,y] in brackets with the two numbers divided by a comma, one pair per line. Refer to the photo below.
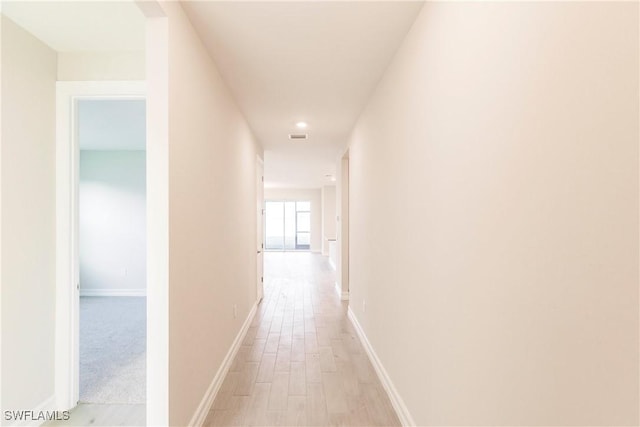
[498,252]
[1,20]
[81,66]
[112,124]
[28,219]
[314,196]
[157,60]
[328,216]
[342,226]
[112,220]
[212,218]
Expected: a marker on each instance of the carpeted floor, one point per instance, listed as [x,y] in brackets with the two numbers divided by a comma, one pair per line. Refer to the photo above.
[113,349]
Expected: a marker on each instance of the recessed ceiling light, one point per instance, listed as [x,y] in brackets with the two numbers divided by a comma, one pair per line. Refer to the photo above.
[301,125]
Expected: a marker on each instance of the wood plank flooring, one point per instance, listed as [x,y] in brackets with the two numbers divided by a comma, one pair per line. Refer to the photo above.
[301,362]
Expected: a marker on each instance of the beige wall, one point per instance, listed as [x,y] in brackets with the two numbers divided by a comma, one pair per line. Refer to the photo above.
[328,216]
[494,215]
[342,225]
[28,219]
[1,21]
[80,66]
[311,194]
[212,223]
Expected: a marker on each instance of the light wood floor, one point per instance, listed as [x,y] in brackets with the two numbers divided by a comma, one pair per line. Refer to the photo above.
[301,362]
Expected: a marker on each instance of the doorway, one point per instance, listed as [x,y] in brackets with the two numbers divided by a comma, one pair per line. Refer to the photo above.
[287,225]
[112,250]
[101,245]
[259,229]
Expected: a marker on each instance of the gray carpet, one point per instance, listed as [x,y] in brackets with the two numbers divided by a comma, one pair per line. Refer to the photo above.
[113,349]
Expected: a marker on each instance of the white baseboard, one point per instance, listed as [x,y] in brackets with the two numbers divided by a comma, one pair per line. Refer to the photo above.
[398,404]
[344,296]
[113,292]
[207,401]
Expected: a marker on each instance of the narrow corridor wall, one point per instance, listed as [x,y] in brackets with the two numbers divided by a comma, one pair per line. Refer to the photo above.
[342,225]
[328,216]
[494,215]
[212,218]
[28,219]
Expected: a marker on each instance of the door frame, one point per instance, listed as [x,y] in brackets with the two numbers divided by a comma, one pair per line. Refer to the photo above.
[260,224]
[67,255]
[342,226]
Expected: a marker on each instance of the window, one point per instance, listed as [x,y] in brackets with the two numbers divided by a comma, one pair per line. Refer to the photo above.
[287,225]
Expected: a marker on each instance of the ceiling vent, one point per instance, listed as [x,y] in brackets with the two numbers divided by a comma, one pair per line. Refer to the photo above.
[298,136]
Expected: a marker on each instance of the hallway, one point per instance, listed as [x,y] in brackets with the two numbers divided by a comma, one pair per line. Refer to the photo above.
[301,362]
[471,169]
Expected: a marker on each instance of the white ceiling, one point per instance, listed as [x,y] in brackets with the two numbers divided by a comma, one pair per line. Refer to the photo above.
[311,61]
[76,26]
[284,61]
[111,124]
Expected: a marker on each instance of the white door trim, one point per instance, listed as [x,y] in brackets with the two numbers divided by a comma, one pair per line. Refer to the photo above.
[67,262]
[260,228]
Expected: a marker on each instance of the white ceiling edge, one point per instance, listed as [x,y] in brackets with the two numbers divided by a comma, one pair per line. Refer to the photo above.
[81,26]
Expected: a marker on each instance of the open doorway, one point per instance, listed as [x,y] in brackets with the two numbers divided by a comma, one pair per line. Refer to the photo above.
[259,229]
[101,248]
[112,251]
